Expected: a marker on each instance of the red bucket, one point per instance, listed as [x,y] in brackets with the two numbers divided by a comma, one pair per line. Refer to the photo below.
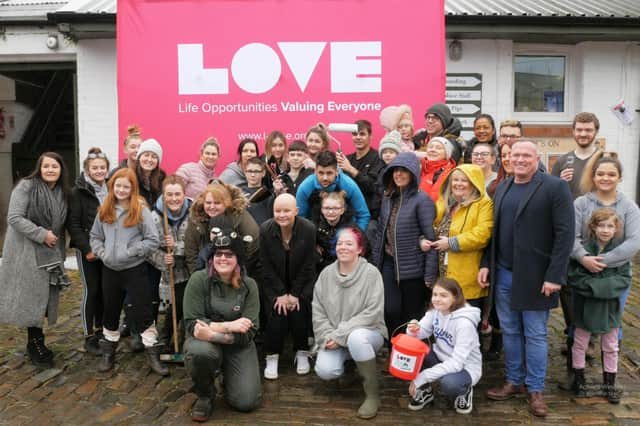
[407,354]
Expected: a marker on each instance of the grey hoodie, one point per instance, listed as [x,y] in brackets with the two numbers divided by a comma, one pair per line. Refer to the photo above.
[122,248]
[629,213]
[457,343]
[233,175]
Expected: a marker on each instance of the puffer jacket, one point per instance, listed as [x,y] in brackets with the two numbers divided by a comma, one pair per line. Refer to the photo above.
[83,206]
[178,228]
[196,176]
[414,219]
[469,233]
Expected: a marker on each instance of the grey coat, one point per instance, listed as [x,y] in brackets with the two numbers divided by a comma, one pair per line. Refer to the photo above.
[25,294]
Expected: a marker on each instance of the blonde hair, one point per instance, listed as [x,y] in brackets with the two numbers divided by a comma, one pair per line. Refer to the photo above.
[449,201]
[133,132]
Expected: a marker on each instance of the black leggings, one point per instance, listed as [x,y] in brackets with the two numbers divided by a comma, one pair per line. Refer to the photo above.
[92,305]
[138,308]
[278,327]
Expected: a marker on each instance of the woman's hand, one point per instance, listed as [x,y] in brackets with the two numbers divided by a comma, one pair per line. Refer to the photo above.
[425,245]
[483,277]
[168,259]
[50,240]
[241,325]
[201,331]
[168,240]
[413,327]
[330,344]
[294,303]
[593,264]
[282,305]
[412,390]
[91,257]
[442,244]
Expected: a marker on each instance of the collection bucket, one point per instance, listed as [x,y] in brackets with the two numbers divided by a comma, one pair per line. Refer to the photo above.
[407,354]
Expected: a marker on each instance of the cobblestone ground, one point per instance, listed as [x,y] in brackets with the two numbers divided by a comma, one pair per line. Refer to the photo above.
[74,393]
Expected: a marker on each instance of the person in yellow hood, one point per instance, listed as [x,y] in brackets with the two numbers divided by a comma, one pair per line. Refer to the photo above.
[464,219]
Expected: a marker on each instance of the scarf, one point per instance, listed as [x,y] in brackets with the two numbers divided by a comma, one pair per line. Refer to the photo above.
[48,209]
[100,190]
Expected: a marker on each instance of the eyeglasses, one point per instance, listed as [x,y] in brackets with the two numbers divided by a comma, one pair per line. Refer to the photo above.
[509,136]
[93,156]
[253,172]
[225,254]
[431,117]
[331,209]
[481,154]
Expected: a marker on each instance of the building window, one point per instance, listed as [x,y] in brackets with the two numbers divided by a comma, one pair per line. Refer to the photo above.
[539,83]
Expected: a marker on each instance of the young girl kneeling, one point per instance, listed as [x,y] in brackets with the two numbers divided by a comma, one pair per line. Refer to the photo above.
[596,305]
[455,358]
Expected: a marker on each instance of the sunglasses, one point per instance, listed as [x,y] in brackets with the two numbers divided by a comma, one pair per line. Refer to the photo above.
[93,156]
[225,254]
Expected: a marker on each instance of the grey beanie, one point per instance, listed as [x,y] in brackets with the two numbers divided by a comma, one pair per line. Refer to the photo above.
[392,141]
[151,145]
[443,112]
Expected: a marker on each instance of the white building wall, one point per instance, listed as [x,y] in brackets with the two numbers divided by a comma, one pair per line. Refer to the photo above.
[600,75]
[97,98]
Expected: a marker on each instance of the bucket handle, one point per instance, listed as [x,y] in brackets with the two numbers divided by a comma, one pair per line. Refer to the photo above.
[402,325]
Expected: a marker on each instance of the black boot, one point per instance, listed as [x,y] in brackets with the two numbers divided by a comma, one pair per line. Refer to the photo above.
[136,343]
[609,389]
[567,385]
[579,383]
[153,357]
[39,354]
[92,344]
[108,350]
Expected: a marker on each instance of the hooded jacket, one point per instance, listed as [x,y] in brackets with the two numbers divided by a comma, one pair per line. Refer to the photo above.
[120,247]
[355,199]
[457,344]
[196,176]
[414,219]
[342,304]
[627,246]
[234,175]
[469,233]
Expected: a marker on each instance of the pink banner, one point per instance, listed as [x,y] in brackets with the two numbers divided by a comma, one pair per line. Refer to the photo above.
[235,69]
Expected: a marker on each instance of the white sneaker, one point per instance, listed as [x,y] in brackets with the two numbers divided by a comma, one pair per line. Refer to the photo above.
[271,369]
[302,363]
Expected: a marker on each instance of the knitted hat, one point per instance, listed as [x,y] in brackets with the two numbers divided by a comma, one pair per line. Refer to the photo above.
[390,141]
[446,143]
[150,145]
[442,112]
[392,116]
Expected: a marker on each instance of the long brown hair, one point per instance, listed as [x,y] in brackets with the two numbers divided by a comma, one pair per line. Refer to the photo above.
[597,159]
[107,212]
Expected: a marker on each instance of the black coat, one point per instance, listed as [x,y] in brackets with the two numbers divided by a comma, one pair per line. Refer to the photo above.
[302,260]
[543,240]
[83,207]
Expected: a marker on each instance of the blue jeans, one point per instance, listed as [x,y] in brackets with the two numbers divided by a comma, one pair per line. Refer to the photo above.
[524,336]
[452,384]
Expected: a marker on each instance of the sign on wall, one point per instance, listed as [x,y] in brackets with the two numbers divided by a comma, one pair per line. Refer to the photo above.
[236,69]
[464,97]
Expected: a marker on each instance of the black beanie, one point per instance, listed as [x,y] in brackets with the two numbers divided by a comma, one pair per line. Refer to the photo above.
[442,112]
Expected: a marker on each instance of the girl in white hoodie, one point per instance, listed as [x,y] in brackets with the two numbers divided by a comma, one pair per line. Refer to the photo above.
[455,359]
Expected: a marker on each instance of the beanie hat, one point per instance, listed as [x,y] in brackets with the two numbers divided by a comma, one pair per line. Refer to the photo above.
[390,141]
[391,116]
[442,112]
[448,146]
[150,145]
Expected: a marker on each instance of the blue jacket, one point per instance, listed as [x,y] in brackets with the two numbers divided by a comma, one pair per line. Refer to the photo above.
[355,199]
[415,218]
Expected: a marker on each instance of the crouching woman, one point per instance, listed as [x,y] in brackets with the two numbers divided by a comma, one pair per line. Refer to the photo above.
[221,308]
[348,317]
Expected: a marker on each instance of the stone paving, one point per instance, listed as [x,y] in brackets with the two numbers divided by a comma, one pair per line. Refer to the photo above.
[73,393]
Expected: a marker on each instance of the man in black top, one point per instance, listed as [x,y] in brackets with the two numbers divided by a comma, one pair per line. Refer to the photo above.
[364,166]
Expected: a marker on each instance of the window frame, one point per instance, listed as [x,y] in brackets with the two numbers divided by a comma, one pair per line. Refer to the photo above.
[566,51]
